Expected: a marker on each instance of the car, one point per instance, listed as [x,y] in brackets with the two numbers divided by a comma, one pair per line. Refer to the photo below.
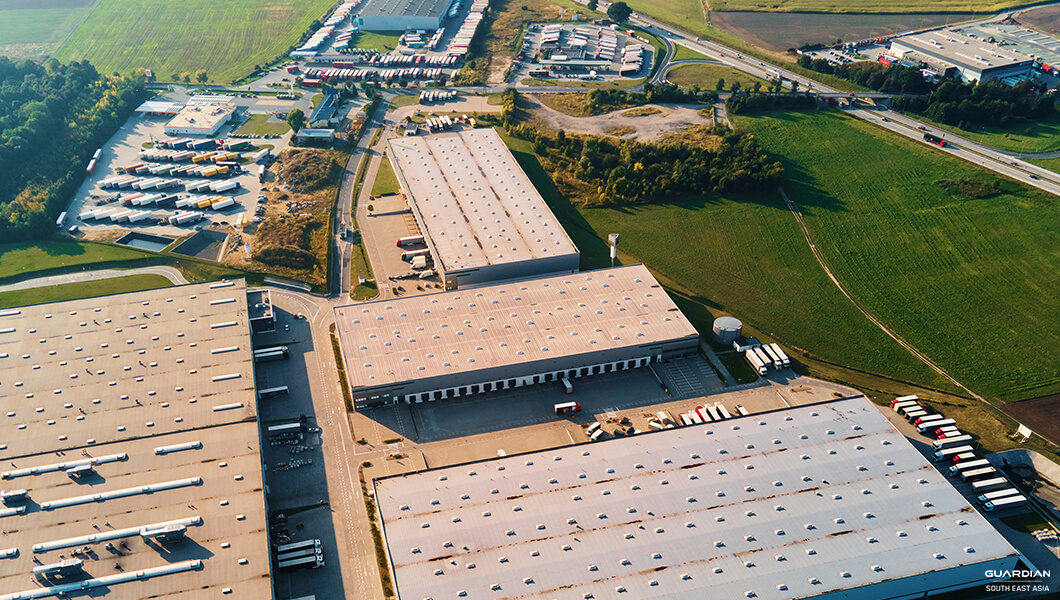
[256,219]
[921,128]
[1034,177]
[286,327]
[886,120]
[300,317]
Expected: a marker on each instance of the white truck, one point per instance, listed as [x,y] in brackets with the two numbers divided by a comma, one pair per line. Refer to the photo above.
[755,362]
[1006,502]
[945,453]
[784,360]
[964,465]
[986,485]
[777,363]
[950,441]
[762,356]
[932,426]
[997,495]
[974,474]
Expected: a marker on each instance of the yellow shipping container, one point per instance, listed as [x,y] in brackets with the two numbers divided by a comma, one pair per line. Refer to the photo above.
[204,204]
[222,170]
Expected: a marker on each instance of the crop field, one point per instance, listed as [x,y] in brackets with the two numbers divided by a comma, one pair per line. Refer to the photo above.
[962,278]
[31,29]
[707,76]
[225,38]
[85,289]
[746,256]
[867,6]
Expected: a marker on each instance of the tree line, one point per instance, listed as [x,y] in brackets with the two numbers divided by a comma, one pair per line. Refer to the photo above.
[989,103]
[742,104]
[53,117]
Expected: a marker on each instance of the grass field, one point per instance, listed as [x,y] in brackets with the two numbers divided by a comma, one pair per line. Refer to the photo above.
[385,180]
[865,6]
[744,256]
[707,76]
[32,29]
[257,125]
[24,257]
[378,40]
[960,278]
[225,38]
[87,289]
[404,100]
[1040,136]
[1053,164]
[682,53]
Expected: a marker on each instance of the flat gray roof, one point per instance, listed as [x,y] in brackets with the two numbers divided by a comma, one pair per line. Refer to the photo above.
[390,341]
[788,504]
[961,50]
[477,204]
[405,8]
[105,382]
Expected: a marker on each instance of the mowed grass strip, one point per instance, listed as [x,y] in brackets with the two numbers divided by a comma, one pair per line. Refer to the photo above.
[971,282]
[744,256]
[84,289]
[259,125]
[385,180]
[26,257]
[225,38]
[707,76]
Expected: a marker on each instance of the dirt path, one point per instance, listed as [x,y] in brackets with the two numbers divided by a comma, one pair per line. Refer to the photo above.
[672,117]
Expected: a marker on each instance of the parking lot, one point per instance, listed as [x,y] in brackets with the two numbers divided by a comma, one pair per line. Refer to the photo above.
[532,47]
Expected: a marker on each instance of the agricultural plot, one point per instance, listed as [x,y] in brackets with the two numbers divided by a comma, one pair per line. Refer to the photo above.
[225,38]
[867,6]
[706,77]
[31,29]
[746,256]
[968,277]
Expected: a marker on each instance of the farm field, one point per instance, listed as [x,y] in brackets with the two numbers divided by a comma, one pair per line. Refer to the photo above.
[34,29]
[225,39]
[86,289]
[867,6]
[780,31]
[960,277]
[706,76]
[746,256]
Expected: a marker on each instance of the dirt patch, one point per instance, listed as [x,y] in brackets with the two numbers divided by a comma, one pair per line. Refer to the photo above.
[1045,19]
[1039,414]
[671,118]
[780,31]
[306,170]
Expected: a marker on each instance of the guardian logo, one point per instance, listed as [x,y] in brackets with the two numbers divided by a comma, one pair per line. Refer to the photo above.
[1018,573]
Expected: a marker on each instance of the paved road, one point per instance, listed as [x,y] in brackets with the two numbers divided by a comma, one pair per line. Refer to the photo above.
[173,275]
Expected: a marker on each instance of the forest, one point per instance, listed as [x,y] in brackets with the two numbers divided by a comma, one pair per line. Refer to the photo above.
[53,117]
[989,103]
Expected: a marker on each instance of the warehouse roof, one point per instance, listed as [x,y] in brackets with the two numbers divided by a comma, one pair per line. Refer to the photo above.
[405,8]
[390,341]
[204,117]
[130,411]
[790,504]
[87,372]
[477,204]
[962,50]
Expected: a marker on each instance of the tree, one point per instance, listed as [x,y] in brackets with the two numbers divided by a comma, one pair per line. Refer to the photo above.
[296,119]
[175,77]
[186,76]
[201,76]
[593,4]
[794,86]
[721,85]
[735,87]
[619,12]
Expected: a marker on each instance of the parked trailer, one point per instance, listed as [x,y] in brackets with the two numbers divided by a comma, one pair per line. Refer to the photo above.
[1006,502]
[224,186]
[960,439]
[997,495]
[913,415]
[272,392]
[309,562]
[929,418]
[973,474]
[902,399]
[905,407]
[986,485]
[410,240]
[940,455]
[780,352]
[694,415]
[741,410]
[755,362]
[299,554]
[970,464]
[223,204]
[59,221]
[269,357]
[703,414]
[777,363]
[297,546]
[948,432]
[721,410]
[712,410]
[685,419]
[935,426]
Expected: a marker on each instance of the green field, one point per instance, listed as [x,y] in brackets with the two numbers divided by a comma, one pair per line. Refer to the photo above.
[1053,164]
[961,278]
[385,180]
[682,53]
[257,125]
[28,29]
[707,76]
[225,38]
[378,40]
[866,6]
[22,258]
[1040,136]
[86,289]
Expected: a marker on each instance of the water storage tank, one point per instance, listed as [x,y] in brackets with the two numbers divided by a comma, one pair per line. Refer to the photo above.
[726,330]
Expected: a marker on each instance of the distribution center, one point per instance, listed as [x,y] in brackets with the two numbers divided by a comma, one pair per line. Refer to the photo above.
[795,503]
[131,447]
[973,59]
[502,336]
[401,15]
[480,216]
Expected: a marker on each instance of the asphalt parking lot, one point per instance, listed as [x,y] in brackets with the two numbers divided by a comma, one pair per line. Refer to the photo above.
[389,220]
[294,467]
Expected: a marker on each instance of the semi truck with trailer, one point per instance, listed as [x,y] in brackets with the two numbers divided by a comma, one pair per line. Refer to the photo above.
[777,363]
[950,441]
[979,473]
[987,485]
[1003,503]
[762,356]
[784,360]
[997,495]
[755,362]
[947,452]
[968,464]
[901,399]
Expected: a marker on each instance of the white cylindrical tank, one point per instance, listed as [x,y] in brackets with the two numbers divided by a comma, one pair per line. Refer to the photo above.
[726,330]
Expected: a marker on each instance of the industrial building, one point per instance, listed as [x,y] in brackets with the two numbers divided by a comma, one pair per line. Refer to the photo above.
[498,337]
[948,52]
[826,500]
[200,119]
[481,217]
[402,15]
[323,115]
[131,448]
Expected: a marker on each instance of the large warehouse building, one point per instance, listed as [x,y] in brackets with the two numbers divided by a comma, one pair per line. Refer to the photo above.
[402,15]
[973,59]
[480,216]
[200,119]
[498,337]
[827,500]
[131,448]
